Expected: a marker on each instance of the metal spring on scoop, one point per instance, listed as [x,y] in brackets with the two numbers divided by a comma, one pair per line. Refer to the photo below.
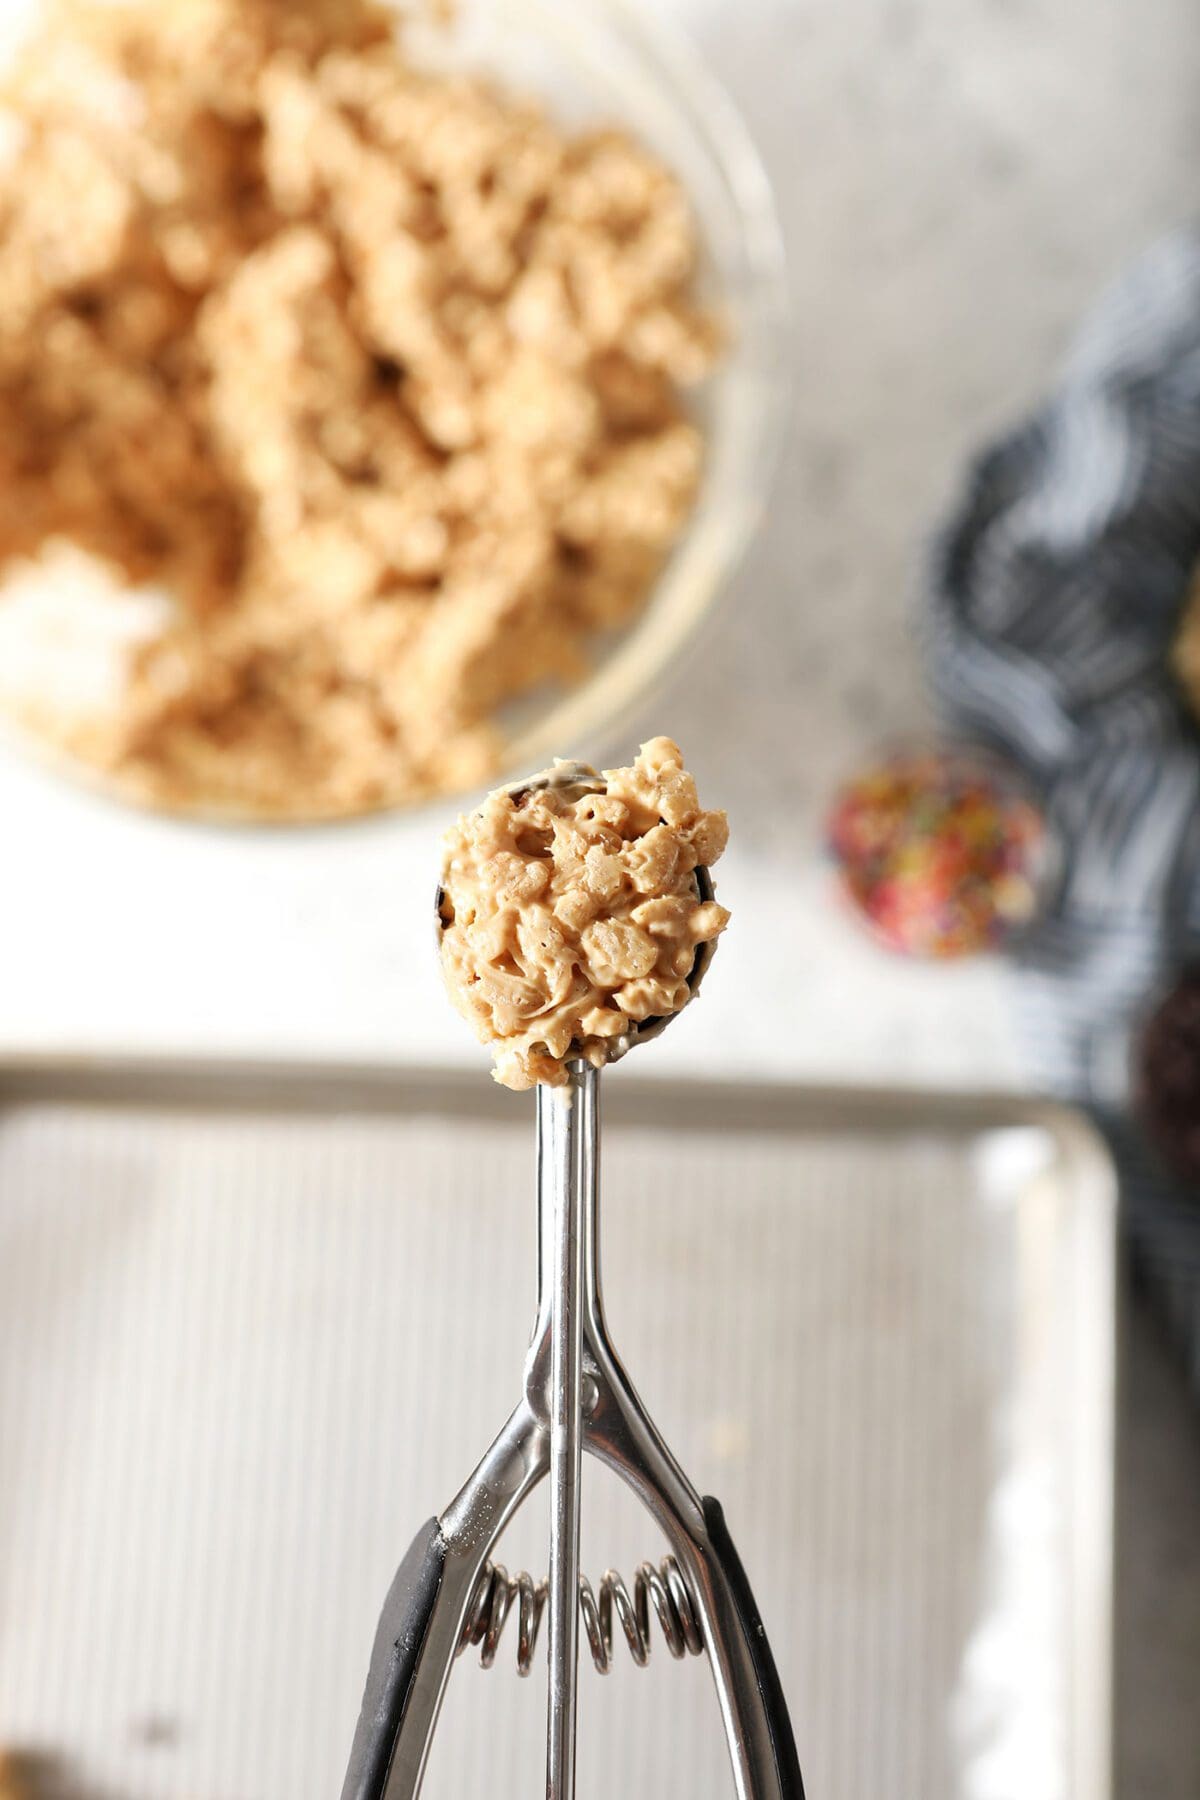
[496,1594]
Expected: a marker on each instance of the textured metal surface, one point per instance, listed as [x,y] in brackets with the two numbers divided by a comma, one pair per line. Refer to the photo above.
[245,1347]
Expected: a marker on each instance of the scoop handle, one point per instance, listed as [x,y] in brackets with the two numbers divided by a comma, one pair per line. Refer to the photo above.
[403,1624]
[766,1676]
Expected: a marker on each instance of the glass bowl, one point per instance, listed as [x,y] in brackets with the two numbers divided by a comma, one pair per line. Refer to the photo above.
[607,62]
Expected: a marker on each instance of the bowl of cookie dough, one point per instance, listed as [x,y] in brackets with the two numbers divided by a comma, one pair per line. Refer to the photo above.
[385,406]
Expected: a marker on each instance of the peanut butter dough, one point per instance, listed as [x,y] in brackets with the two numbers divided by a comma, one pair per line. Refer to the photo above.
[566,918]
[375,374]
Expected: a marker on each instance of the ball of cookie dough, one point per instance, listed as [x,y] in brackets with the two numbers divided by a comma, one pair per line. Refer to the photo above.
[569,916]
[1167,1074]
[1185,657]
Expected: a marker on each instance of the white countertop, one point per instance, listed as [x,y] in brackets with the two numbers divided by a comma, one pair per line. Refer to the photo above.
[956,178]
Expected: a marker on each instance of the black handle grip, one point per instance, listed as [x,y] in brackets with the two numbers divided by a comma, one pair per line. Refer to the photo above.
[394,1657]
[770,1688]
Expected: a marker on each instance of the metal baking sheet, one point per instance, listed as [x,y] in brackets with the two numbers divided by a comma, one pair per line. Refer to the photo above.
[256,1326]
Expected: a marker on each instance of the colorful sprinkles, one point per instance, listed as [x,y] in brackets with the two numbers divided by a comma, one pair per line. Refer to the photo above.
[939,850]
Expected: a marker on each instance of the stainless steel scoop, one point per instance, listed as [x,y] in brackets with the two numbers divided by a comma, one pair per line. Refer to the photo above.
[576,1396]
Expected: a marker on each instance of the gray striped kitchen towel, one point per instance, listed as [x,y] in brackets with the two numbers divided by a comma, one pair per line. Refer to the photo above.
[1054,595]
